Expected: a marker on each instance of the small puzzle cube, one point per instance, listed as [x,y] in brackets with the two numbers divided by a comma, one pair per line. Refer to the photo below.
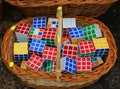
[22,32]
[50,66]
[101,47]
[84,64]
[20,51]
[23,65]
[76,35]
[68,65]
[50,53]
[39,22]
[96,61]
[69,22]
[37,47]
[52,23]
[35,34]
[86,48]
[70,51]
[49,35]
[92,31]
[35,62]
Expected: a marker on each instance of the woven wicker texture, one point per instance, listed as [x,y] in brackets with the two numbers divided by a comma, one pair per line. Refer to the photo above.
[91,8]
[45,80]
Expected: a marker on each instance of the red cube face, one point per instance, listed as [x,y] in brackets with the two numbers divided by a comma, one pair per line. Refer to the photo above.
[23,28]
[50,53]
[84,64]
[70,51]
[86,47]
[49,33]
[35,62]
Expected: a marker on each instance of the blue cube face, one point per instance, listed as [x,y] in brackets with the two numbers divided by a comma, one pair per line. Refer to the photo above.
[70,65]
[101,52]
[37,45]
[19,58]
[39,22]
[76,32]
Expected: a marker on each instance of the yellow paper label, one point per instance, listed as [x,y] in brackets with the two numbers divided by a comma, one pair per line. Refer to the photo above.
[11,64]
[13,28]
[59,8]
[58,38]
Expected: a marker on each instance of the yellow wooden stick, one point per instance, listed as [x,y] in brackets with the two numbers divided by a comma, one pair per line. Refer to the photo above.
[59,35]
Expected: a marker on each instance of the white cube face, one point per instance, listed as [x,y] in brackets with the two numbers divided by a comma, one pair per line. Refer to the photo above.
[22,37]
[98,31]
[69,22]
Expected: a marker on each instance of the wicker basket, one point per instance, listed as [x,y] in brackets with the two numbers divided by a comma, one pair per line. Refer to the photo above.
[91,8]
[45,80]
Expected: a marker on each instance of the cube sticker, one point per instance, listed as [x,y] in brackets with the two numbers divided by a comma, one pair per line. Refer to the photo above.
[84,64]
[86,48]
[39,22]
[69,22]
[52,23]
[96,61]
[76,35]
[92,31]
[49,35]
[35,34]
[50,53]
[50,66]
[101,47]
[23,65]
[22,32]
[70,51]
[68,65]
[37,47]
[20,51]
[35,62]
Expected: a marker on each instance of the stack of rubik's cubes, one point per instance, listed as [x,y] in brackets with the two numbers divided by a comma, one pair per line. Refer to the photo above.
[82,48]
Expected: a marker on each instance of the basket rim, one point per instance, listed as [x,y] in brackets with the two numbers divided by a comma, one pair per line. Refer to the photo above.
[38,3]
[94,75]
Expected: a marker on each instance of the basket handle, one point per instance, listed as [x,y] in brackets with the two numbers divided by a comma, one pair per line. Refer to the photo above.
[59,35]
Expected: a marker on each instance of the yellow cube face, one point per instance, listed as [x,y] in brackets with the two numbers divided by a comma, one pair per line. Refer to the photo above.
[100,43]
[100,61]
[23,65]
[21,48]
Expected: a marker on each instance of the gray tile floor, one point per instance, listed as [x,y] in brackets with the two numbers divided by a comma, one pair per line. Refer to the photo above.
[109,81]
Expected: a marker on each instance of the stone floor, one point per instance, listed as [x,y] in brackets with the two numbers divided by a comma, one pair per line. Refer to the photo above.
[109,81]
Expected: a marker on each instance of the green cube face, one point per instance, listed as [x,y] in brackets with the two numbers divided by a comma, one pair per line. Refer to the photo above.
[49,66]
[92,31]
[50,42]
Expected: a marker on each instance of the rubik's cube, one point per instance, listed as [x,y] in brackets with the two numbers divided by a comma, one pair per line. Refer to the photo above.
[35,62]
[39,22]
[50,53]
[68,65]
[92,31]
[52,23]
[20,51]
[22,32]
[49,35]
[96,61]
[35,34]
[76,35]
[50,66]
[37,47]
[101,47]
[69,22]
[70,51]
[84,64]
[23,65]
[86,48]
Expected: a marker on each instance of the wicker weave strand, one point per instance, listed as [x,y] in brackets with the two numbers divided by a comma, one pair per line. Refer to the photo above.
[45,80]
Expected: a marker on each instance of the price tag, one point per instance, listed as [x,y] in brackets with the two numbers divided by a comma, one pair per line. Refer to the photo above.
[59,8]
[11,64]
[13,28]
[58,38]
